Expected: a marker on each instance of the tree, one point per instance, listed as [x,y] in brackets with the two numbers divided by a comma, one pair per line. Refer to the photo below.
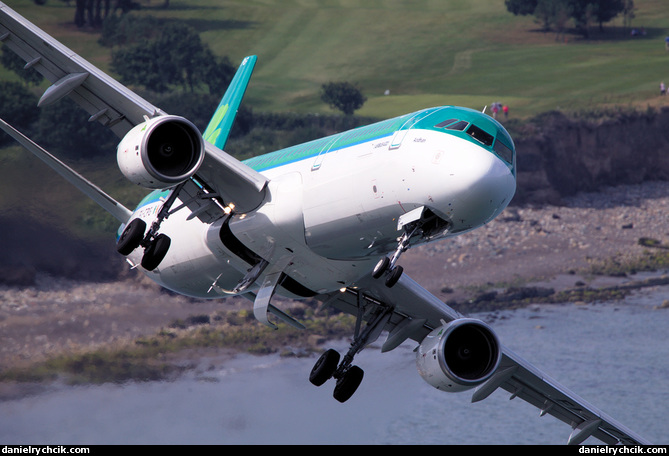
[16,64]
[521,7]
[18,105]
[142,65]
[343,96]
[91,12]
[553,13]
[605,10]
[628,12]
[63,129]
[217,72]
[175,56]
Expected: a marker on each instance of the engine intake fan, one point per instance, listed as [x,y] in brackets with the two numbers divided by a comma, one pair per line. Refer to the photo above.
[459,355]
[161,152]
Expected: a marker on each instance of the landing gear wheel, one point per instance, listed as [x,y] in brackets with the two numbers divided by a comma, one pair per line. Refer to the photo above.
[348,383]
[324,367]
[394,276]
[131,237]
[155,252]
[381,267]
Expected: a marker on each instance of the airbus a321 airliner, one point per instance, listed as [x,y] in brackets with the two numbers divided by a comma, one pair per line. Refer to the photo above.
[328,219]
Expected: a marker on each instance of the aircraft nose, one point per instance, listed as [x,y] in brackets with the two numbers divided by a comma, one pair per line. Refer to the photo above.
[481,186]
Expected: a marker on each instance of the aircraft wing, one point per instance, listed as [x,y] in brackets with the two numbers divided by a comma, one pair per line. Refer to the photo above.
[416,312]
[114,105]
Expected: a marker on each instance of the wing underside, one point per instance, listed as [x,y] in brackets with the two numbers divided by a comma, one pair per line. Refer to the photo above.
[416,312]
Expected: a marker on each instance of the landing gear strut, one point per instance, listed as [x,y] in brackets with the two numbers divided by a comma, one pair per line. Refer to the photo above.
[387,265]
[347,375]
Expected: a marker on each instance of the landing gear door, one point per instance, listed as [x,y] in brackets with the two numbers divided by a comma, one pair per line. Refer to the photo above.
[411,216]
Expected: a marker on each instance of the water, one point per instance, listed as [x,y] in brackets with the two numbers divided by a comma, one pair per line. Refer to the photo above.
[615,355]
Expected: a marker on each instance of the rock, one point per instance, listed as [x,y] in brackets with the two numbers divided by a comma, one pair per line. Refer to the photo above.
[559,156]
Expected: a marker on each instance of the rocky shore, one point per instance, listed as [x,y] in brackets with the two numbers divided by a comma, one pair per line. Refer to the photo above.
[554,248]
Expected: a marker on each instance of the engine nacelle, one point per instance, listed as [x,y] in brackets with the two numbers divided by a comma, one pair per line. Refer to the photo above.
[161,152]
[459,355]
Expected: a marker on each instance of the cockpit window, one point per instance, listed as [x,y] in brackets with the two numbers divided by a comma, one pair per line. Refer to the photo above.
[480,135]
[503,151]
[445,123]
[461,125]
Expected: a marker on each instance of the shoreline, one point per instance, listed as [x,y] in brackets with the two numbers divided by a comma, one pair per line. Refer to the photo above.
[527,250]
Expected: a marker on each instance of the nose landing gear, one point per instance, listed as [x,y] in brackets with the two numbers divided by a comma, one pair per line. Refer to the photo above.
[387,265]
[419,222]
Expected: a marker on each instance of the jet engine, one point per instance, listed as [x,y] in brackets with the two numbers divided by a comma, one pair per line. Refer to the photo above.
[458,355]
[161,152]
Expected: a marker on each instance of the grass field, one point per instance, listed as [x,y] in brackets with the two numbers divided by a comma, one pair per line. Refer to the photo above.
[425,52]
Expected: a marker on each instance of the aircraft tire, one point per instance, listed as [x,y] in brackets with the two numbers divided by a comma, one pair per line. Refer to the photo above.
[394,276]
[155,252]
[131,237]
[381,267]
[348,384]
[324,367]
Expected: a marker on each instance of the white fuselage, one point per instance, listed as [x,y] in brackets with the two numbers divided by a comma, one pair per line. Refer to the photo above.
[329,218]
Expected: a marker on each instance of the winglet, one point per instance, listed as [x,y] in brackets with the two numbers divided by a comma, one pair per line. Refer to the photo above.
[219,127]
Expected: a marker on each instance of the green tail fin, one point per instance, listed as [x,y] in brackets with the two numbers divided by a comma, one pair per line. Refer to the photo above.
[219,127]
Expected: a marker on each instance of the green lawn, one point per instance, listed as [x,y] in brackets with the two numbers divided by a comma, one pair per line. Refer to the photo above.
[424,52]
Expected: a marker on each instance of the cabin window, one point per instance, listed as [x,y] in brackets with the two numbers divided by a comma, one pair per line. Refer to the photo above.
[503,151]
[480,135]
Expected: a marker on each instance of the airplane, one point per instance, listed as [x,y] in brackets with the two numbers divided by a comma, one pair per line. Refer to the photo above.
[328,220]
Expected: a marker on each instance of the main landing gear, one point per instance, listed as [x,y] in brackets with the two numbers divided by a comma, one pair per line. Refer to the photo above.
[348,377]
[155,245]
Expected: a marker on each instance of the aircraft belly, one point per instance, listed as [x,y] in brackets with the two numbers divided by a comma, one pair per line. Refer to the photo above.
[275,233]
[355,236]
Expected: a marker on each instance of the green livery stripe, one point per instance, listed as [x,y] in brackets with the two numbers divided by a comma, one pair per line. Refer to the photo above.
[154,197]
[325,145]
[428,119]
